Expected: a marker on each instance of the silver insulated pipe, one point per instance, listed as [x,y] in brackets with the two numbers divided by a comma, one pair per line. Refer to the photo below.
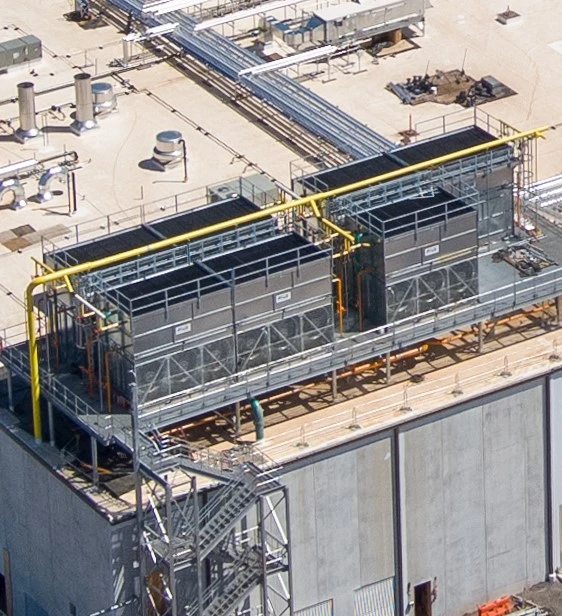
[26,104]
[84,118]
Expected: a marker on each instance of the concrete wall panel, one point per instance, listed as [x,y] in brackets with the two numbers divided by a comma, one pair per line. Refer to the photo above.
[556,467]
[474,504]
[303,536]
[60,547]
[424,516]
[337,528]
[341,525]
[376,515]
[463,503]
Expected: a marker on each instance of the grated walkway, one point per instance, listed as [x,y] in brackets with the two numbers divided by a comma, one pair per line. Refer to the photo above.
[293,99]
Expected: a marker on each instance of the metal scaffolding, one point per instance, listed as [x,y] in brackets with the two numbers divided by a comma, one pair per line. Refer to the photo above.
[206,556]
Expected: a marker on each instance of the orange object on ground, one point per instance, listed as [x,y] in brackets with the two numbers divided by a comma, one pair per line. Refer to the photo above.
[498,607]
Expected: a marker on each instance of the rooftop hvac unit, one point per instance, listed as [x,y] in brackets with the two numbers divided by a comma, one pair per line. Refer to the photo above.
[317,327]
[400,302]
[151,381]
[432,290]
[223,191]
[218,359]
[104,98]
[463,280]
[428,291]
[170,149]
[185,370]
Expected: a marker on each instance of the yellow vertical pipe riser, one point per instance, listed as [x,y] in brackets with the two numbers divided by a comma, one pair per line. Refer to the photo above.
[33,362]
[304,201]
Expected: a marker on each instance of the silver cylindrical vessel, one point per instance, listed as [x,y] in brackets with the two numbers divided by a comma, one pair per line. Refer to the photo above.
[169,149]
[26,104]
[104,98]
[84,118]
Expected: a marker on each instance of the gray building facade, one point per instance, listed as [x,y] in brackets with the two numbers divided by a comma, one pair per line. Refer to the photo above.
[454,508]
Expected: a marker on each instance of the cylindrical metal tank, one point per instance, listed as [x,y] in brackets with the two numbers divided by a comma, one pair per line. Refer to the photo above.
[169,149]
[104,98]
[26,104]
[84,119]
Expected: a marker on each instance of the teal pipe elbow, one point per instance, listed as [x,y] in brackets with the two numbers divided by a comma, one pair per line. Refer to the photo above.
[257,416]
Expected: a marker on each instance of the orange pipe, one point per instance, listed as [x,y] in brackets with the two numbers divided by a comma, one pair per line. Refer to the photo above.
[89,369]
[380,362]
[513,317]
[340,309]
[447,339]
[101,469]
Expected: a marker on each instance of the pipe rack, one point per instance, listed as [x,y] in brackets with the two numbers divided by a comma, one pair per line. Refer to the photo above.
[291,98]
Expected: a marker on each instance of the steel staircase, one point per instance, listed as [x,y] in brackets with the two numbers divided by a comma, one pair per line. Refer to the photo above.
[207,540]
[221,597]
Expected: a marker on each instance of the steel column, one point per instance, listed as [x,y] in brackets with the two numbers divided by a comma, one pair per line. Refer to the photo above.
[263,542]
[10,390]
[95,469]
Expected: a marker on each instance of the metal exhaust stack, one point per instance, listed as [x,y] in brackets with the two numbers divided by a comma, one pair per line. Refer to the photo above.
[26,104]
[84,118]
[170,150]
[105,101]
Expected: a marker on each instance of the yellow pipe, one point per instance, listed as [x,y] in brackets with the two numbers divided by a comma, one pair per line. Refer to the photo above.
[315,209]
[351,249]
[197,233]
[68,284]
[33,361]
[106,328]
[348,236]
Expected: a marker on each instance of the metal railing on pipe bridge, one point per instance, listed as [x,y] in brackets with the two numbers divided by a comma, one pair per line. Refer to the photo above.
[291,98]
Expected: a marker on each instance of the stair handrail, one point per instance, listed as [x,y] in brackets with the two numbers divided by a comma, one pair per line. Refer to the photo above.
[243,565]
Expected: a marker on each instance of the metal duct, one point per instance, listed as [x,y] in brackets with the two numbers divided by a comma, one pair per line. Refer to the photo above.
[13,186]
[44,193]
[258,417]
[26,103]
[84,119]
